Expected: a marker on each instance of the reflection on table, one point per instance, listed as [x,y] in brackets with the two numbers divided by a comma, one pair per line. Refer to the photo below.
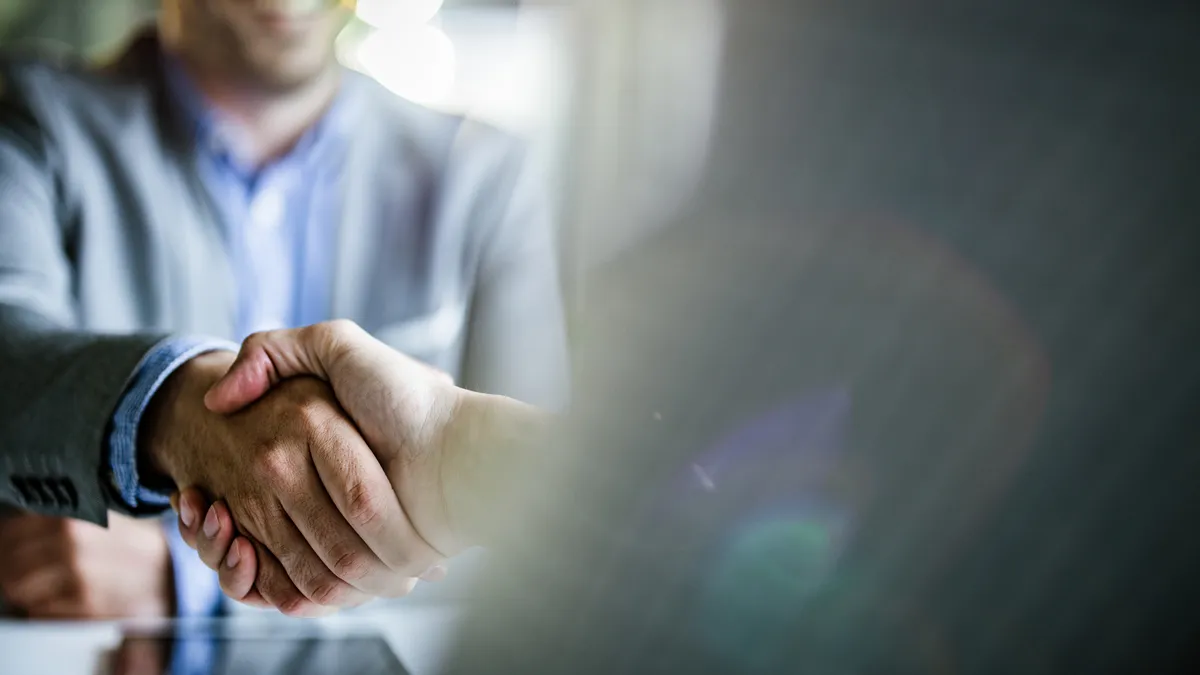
[253,642]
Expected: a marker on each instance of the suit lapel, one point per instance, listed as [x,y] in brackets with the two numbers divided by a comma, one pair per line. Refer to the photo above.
[209,305]
[376,189]
[358,233]
[199,291]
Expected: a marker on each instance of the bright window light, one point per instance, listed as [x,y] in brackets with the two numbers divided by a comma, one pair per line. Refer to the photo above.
[414,61]
[394,13]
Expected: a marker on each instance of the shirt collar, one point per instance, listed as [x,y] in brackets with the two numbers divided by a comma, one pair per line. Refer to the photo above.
[323,143]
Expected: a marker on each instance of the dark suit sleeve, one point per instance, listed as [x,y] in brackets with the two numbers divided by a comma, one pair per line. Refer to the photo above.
[517,344]
[58,385]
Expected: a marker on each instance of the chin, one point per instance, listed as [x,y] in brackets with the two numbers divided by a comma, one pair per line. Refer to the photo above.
[283,75]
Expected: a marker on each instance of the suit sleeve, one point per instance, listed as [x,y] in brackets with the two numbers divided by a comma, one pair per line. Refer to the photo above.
[59,385]
[517,340]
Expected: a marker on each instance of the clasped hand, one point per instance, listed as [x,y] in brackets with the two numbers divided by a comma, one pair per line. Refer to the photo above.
[326,454]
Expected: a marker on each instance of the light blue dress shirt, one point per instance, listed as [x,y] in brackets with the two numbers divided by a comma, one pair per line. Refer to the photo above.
[280,223]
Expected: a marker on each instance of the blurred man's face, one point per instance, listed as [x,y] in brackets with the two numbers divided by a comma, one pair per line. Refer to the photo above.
[277,45]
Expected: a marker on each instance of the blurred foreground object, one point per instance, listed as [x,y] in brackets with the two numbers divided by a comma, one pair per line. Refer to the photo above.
[977,220]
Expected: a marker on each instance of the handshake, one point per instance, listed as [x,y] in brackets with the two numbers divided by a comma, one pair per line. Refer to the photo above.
[339,469]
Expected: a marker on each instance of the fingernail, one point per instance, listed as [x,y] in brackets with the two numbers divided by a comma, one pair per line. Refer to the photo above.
[233,558]
[211,524]
[186,513]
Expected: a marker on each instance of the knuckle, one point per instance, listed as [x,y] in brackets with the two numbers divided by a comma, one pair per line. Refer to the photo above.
[273,463]
[329,593]
[255,340]
[351,566]
[364,507]
[313,418]
[339,329]
[338,336]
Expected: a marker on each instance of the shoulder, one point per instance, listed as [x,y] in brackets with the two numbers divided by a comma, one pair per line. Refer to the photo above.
[53,89]
[24,73]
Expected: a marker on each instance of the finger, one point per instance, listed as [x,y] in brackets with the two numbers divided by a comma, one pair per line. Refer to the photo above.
[216,534]
[192,507]
[339,547]
[327,525]
[238,571]
[255,599]
[276,587]
[360,489]
[264,360]
[301,565]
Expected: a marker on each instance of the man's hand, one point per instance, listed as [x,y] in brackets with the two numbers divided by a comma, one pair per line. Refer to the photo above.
[316,506]
[233,557]
[454,458]
[403,408]
[57,568]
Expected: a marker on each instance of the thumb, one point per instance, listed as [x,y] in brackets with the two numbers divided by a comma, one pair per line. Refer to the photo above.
[264,360]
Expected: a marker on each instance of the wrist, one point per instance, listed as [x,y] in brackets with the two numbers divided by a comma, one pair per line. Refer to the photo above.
[179,399]
[490,456]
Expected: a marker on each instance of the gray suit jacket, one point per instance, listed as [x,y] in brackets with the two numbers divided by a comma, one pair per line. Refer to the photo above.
[109,244]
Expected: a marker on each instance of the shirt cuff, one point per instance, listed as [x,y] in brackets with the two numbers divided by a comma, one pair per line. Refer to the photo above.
[197,589]
[151,372]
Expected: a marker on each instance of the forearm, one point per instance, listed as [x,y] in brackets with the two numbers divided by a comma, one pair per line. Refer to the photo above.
[61,388]
[494,453]
[60,383]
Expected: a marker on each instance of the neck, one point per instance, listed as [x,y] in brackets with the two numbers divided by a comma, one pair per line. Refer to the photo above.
[271,122]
